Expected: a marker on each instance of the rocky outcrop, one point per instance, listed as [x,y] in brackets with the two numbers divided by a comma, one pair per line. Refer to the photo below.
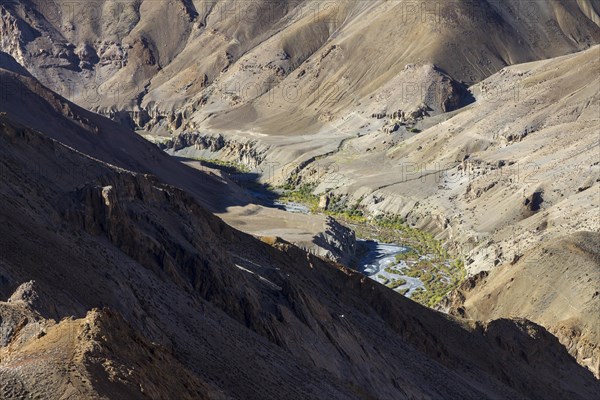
[247,152]
[14,34]
[99,355]
[251,320]
[454,301]
[197,140]
[337,242]
[30,296]
[554,284]
[533,202]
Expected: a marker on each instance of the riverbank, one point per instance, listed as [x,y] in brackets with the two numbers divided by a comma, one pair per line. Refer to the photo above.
[411,255]
[388,250]
[405,259]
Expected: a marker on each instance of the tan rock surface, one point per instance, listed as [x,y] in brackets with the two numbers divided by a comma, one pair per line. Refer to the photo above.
[233,316]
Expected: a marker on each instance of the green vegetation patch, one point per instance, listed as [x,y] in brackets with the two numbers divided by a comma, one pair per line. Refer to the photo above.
[340,208]
[439,278]
[410,254]
[426,259]
[300,194]
[229,167]
[396,283]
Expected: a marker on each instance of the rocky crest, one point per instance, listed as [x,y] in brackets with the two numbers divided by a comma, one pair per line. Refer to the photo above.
[181,277]
[554,279]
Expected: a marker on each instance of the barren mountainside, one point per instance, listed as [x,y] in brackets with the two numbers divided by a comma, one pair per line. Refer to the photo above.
[555,285]
[282,65]
[187,189]
[210,299]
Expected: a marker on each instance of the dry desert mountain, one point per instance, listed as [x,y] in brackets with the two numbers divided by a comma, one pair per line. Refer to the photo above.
[276,199]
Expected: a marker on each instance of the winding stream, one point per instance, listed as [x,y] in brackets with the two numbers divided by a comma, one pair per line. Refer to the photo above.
[381,256]
[376,259]
[297,208]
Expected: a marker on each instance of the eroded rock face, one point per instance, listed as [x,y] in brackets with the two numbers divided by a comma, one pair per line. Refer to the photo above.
[99,355]
[108,208]
[26,294]
[31,296]
[554,284]
[20,317]
[87,56]
[165,58]
[534,202]
[246,318]
[14,33]
[249,153]
[337,242]
[453,303]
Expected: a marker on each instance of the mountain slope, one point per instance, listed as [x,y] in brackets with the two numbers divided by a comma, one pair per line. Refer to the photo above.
[554,285]
[232,310]
[514,170]
[28,102]
[96,357]
[286,64]
[404,108]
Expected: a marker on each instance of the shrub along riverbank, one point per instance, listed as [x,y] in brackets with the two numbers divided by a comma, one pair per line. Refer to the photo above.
[426,259]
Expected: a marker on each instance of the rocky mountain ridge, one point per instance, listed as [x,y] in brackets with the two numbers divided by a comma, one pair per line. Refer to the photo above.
[182,278]
[473,121]
[274,60]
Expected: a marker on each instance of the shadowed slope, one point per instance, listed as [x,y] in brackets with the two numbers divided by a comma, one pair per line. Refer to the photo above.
[217,298]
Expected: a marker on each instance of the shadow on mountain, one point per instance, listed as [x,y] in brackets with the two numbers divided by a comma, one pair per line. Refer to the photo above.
[26,101]
[248,182]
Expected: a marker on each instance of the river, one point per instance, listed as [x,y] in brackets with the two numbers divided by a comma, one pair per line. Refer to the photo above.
[378,260]
[379,263]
